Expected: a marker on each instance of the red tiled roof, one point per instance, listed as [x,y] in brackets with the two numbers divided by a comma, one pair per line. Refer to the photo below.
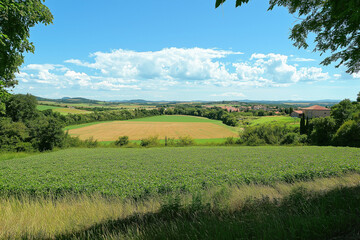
[298,111]
[316,107]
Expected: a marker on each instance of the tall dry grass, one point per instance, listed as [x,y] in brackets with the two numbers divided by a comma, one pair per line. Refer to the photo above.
[34,218]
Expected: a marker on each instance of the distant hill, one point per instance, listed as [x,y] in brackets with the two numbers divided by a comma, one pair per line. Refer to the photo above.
[325,102]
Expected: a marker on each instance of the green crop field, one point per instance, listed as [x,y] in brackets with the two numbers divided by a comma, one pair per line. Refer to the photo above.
[139,172]
[62,110]
[45,107]
[275,119]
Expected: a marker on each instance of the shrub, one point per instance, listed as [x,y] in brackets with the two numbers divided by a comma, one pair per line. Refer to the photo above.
[348,134]
[264,134]
[290,138]
[230,141]
[122,141]
[185,141]
[91,143]
[150,141]
[322,130]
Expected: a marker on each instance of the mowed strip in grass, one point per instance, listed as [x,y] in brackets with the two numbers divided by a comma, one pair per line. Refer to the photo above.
[161,126]
[132,173]
[275,119]
[62,110]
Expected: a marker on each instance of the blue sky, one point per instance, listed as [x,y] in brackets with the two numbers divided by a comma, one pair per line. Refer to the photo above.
[175,50]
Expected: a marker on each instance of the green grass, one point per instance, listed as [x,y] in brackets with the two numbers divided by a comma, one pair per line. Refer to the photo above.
[62,110]
[83,125]
[134,173]
[45,107]
[12,155]
[270,119]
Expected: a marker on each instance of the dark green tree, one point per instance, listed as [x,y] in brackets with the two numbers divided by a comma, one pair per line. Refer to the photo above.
[302,124]
[358,98]
[16,19]
[21,107]
[307,125]
[336,24]
[322,131]
[291,110]
[348,134]
[343,111]
[46,133]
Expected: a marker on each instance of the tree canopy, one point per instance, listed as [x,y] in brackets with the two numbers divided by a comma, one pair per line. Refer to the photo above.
[16,19]
[336,24]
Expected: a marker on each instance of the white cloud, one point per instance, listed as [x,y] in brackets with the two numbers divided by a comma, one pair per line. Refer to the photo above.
[229,94]
[169,63]
[303,59]
[356,75]
[171,68]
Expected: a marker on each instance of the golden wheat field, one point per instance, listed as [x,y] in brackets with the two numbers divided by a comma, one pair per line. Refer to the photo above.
[110,131]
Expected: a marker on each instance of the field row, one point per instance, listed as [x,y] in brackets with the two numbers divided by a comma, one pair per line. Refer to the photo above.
[141,172]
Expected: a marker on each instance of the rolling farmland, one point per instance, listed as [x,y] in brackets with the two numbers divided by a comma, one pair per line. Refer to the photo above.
[161,126]
[135,172]
[62,110]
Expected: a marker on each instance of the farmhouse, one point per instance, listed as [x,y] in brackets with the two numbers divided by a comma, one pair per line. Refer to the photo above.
[316,111]
[297,113]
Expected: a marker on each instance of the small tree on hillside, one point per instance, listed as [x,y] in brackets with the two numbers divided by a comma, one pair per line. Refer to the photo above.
[302,125]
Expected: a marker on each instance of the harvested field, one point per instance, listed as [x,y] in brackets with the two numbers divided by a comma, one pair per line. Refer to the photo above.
[110,131]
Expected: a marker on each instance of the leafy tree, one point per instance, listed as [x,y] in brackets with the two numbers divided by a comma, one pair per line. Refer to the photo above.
[4,95]
[122,141]
[348,134]
[302,124]
[358,98]
[336,24]
[13,136]
[322,130]
[16,19]
[46,133]
[21,107]
[342,111]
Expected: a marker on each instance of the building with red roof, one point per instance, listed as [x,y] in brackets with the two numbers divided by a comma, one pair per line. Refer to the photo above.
[316,111]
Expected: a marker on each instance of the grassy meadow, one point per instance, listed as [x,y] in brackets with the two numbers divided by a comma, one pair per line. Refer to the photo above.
[62,110]
[181,193]
[133,173]
[275,119]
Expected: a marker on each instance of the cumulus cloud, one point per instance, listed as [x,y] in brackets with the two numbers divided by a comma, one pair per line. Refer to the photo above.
[169,63]
[274,70]
[229,94]
[303,59]
[169,68]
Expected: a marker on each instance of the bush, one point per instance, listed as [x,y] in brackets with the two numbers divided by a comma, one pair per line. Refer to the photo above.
[322,130]
[348,134]
[230,141]
[122,141]
[264,134]
[91,143]
[290,138]
[185,141]
[149,141]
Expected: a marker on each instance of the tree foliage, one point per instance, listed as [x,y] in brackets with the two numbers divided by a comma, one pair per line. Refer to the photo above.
[336,24]
[21,107]
[16,19]
[343,111]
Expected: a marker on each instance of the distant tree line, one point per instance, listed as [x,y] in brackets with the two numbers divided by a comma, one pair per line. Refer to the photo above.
[24,128]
